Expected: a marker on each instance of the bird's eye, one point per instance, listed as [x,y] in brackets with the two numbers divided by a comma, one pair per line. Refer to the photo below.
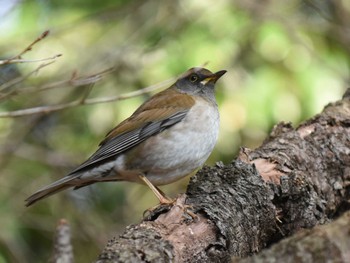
[193,78]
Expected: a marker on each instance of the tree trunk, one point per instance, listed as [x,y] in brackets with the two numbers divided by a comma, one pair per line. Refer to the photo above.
[297,179]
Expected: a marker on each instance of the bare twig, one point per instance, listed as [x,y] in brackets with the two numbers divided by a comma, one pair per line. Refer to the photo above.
[79,102]
[130,94]
[28,48]
[73,81]
[15,81]
[18,60]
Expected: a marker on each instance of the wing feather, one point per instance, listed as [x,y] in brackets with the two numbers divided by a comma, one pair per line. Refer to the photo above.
[128,140]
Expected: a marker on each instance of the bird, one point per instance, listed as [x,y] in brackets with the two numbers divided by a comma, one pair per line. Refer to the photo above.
[168,137]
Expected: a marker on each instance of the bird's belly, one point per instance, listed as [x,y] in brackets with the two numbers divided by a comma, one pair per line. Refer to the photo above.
[177,151]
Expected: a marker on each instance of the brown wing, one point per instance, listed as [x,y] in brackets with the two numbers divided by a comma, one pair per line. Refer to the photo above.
[157,114]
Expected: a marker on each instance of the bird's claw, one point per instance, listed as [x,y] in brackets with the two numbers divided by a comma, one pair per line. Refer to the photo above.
[167,204]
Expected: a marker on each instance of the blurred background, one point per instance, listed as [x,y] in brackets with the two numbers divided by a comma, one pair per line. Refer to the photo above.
[285,59]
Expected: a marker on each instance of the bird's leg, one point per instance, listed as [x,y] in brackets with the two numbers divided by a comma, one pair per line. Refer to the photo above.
[159,194]
[164,200]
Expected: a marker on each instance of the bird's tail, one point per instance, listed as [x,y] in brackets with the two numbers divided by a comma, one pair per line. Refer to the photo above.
[51,189]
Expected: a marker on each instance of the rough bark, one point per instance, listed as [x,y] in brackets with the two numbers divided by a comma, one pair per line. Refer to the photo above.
[297,179]
[327,243]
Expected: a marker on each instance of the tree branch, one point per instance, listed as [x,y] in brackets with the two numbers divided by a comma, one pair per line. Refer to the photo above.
[82,101]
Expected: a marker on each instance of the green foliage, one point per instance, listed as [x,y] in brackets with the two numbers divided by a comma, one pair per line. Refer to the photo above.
[284,62]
